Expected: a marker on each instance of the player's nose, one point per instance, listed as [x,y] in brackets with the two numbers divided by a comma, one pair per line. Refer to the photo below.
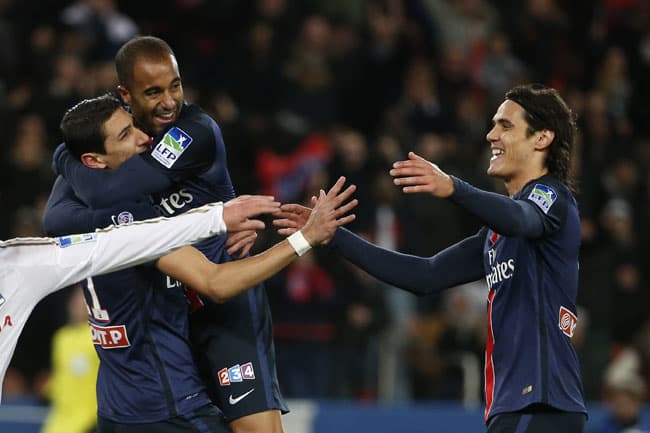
[142,137]
[491,136]
[168,102]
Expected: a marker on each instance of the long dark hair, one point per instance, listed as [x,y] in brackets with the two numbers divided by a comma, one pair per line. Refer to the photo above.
[545,109]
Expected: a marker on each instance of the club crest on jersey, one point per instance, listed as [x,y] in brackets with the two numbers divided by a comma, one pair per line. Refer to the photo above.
[171,146]
[236,373]
[567,321]
[494,237]
[66,241]
[125,217]
[543,196]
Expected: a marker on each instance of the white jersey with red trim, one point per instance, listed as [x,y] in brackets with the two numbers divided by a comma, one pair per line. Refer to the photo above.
[32,268]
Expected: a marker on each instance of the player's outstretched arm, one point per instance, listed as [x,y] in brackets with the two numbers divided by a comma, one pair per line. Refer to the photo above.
[118,247]
[223,281]
[501,213]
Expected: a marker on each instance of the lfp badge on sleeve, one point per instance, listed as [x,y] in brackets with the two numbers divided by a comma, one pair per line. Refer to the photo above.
[171,146]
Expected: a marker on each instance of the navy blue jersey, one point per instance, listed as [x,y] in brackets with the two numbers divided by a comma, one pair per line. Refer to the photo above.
[528,254]
[139,326]
[186,167]
[533,285]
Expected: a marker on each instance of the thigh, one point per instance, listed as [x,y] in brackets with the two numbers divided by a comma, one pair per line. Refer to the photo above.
[537,422]
[206,419]
[233,345]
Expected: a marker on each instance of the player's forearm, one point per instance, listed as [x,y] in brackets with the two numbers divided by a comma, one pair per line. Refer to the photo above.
[458,264]
[232,278]
[502,214]
[121,247]
[103,188]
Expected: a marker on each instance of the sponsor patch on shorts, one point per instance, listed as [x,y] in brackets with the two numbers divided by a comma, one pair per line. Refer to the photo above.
[66,241]
[567,321]
[543,196]
[171,146]
[236,373]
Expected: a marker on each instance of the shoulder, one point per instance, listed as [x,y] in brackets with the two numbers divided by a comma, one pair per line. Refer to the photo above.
[193,116]
[194,133]
[547,193]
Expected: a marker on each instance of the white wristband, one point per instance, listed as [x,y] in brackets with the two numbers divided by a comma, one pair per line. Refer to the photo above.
[299,243]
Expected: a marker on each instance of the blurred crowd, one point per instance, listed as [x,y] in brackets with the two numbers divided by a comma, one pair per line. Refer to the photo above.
[307,90]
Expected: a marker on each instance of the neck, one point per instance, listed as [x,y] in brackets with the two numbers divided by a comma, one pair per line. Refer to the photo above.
[516,184]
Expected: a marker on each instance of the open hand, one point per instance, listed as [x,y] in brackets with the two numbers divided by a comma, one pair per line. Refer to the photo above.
[240,242]
[419,175]
[237,212]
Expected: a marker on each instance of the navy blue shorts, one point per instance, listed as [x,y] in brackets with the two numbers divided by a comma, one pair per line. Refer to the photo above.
[538,419]
[206,419]
[234,351]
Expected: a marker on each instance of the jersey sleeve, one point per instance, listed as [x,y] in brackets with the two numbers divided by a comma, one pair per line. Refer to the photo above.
[457,264]
[550,199]
[118,247]
[102,188]
[187,148]
[65,213]
[504,215]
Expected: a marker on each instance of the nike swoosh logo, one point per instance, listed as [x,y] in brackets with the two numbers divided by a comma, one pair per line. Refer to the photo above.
[236,400]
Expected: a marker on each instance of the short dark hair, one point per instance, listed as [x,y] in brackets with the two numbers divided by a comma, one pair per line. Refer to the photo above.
[82,126]
[545,109]
[148,47]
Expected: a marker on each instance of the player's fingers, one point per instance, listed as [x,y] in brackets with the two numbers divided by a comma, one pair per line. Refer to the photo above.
[287,231]
[414,180]
[244,245]
[336,188]
[293,208]
[346,208]
[254,225]
[284,222]
[263,207]
[345,220]
[409,171]
[345,195]
[414,189]
[415,157]
[245,250]
[313,200]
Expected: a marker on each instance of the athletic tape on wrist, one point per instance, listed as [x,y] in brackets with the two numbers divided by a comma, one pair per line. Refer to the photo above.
[299,243]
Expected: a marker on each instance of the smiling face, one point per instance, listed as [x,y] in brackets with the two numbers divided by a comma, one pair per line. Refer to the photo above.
[122,140]
[155,94]
[517,155]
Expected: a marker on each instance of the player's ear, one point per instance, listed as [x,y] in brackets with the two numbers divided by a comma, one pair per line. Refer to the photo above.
[544,139]
[93,160]
[124,94]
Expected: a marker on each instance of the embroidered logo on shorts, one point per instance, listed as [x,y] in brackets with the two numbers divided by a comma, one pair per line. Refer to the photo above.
[236,373]
[567,321]
[543,196]
[171,147]
[66,241]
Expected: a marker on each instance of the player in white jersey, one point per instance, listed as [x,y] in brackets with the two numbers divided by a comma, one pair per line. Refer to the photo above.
[32,268]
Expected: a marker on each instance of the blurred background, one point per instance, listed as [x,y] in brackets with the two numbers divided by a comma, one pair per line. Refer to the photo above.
[307,90]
